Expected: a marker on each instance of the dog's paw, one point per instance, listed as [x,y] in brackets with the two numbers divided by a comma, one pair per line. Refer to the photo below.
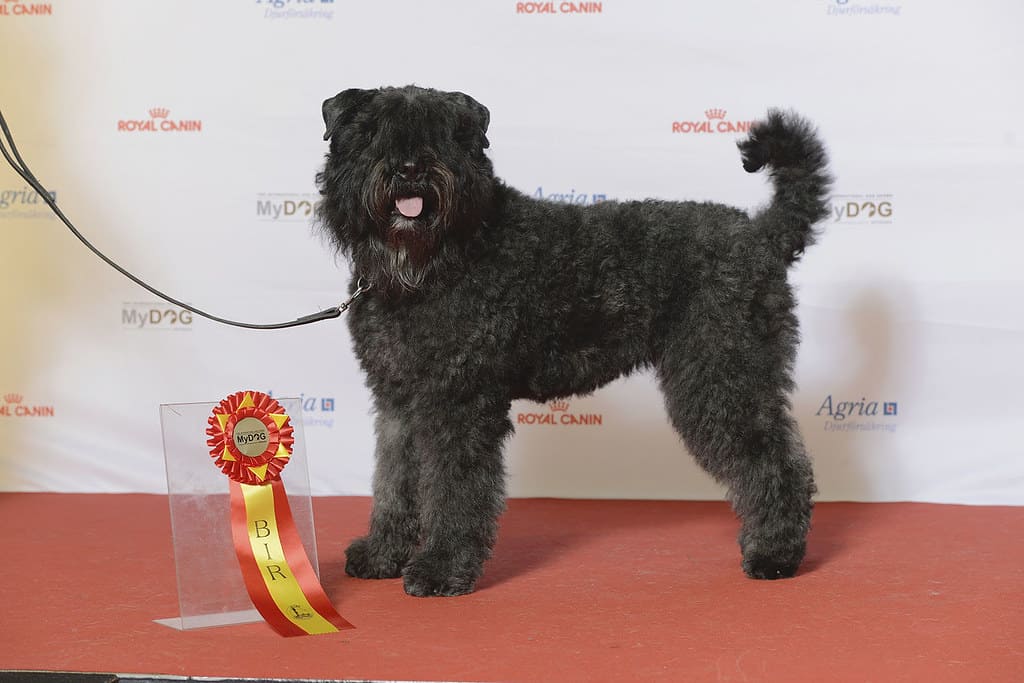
[365,559]
[423,578]
[778,562]
[769,568]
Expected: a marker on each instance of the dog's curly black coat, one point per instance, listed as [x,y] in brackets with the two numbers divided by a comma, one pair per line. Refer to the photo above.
[481,295]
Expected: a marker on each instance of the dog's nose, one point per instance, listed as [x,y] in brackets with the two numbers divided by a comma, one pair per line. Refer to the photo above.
[410,170]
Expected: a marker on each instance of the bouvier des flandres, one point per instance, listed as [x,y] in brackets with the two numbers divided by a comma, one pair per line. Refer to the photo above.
[479,295]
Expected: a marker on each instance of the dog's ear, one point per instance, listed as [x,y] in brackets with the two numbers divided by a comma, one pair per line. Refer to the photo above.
[340,109]
[477,115]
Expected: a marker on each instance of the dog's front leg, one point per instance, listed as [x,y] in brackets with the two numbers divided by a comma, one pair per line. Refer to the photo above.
[394,523]
[461,495]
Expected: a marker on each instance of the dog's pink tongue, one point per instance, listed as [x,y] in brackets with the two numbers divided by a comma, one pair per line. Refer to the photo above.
[410,207]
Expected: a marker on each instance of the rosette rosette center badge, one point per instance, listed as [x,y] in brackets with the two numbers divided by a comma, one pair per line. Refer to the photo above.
[251,440]
[250,437]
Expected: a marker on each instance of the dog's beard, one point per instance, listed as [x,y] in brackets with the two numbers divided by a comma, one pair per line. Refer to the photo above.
[405,247]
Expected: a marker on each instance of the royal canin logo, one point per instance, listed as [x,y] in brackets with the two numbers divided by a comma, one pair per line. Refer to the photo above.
[14,406]
[159,121]
[559,415]
[714,121]
[559,7]
[13,8]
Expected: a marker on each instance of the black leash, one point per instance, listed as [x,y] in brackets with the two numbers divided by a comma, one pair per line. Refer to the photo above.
[22,169]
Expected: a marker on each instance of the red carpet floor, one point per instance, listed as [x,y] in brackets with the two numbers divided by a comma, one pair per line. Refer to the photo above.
[576,591]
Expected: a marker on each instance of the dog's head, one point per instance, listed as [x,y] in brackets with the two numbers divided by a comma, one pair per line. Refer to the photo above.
[406,182]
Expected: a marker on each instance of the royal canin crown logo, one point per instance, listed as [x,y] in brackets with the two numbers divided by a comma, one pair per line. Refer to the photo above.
[559,415]
[14,406]
[159,121]
[715,121]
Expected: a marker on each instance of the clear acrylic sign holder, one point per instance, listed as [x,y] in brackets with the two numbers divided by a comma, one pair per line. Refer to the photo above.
[211,591]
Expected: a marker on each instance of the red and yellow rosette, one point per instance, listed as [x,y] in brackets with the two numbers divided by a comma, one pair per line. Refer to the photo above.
[251,442]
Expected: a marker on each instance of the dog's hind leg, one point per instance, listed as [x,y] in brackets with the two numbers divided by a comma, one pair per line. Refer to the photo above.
[461,494]
[394,522]
[726,391]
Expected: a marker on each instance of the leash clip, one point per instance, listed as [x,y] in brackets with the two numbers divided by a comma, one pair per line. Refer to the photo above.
[362,286]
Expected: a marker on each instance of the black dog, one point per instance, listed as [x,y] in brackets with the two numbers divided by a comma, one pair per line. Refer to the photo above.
[481,295]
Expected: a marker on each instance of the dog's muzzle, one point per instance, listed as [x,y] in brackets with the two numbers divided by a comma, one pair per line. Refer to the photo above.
[410,187]
[412,198]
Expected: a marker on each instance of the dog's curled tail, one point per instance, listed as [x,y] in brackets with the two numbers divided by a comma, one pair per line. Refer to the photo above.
[789,146]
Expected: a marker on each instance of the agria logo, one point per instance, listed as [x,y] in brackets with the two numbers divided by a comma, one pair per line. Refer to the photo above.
[159,121]
[15,8]
[317,411]
[571,197]
[558,414]
[24,203]
[846,8]
[861,416]
[297,9]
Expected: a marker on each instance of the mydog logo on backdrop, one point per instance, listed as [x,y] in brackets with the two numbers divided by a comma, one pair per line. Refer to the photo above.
[841,415]
[14,8]
[714,121]
[559,7]
[846,8]
[154,315]
[559,415]
[297,9]
[159,121]
[570,197]
[278,206]
[14,406]
[862,209]
[24,203]
[317,411]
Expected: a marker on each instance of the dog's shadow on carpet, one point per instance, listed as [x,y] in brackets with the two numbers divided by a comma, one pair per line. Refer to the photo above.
[615,536]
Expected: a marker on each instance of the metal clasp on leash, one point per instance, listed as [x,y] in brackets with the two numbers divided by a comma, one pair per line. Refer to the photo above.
[362,286]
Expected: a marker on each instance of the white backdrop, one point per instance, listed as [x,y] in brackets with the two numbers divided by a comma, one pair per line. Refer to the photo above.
[910,304]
